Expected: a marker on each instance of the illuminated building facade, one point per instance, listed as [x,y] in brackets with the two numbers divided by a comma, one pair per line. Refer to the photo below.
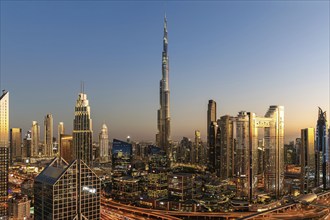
[157,184]
[4,152]
[26,151]
[19,207]
[226,166]
[163,114]
[35,139]
[104,144]
[180,186]
[66,191]
[307,159]
[82,130]
[322,151]
[48,136]
[121,157]
[60,130]
[247,126]
[15,144]
[66,149]
[197,151]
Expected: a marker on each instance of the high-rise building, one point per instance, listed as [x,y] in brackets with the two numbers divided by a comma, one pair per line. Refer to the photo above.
[225,124]
[67,191]
[164,120]
[15,144]
[211,116]
[82,130]
[196,153]
[104,144]
[26,151]
[60,130]
[4,157]
[35,139]
[121,157]
[66,150]
[247,143]
[322,151]
[19,207]
[307,159]
[214,149]
[48,136]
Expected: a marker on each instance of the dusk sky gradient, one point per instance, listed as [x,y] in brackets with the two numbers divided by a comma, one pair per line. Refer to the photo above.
[246,55]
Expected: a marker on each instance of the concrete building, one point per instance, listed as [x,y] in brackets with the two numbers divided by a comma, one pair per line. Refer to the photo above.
[19,207]
[60,130]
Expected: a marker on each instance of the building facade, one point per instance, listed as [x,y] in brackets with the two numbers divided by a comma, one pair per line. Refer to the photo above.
[82,130]
[322,151]
[66,191]
[104,144]
[4,152]
[164,120]
[307,160]
[66,150]
[19,207]
[35,139]
[15,144]
[48,136]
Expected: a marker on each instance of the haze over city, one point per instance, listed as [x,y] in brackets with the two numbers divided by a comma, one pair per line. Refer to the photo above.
[243,55]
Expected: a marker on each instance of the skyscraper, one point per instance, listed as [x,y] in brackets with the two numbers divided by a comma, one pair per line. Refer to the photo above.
[307,159]
[322,151]
[4,117]
[82,130]
[60,130]
[67,191]
[26,151]
[164,120]
[211,116]
[35,138]
[104,144]
[4,135]
[15,144]
[226,146]
[48,136]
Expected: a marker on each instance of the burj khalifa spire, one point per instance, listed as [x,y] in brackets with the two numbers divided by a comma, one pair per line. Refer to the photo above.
[164,120]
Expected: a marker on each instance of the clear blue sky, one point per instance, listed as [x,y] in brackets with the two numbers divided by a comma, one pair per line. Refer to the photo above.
[246,55]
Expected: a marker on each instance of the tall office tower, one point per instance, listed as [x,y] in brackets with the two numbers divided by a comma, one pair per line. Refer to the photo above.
[226,125]
[15,144]
[48,136]
[307,159]
[211,117]
[26,151]
[322,151]
[104,144]
[164,120]
[196,153]
[66,150]
[4,157]
[297,147]
[67,191]
[213,147]
[242,150]
[35,139]
[247,126]
[60,130]
[82,130]
[274,150]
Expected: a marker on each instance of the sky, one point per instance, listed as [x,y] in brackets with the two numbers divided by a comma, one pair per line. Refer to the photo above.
[245,55]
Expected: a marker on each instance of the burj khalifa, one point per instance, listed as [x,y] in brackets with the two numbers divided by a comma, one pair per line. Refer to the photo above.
[164,120]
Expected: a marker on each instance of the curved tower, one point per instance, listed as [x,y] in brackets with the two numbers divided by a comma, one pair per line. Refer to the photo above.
[164,120]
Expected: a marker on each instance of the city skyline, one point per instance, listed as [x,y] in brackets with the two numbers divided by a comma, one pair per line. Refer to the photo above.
[215,51]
